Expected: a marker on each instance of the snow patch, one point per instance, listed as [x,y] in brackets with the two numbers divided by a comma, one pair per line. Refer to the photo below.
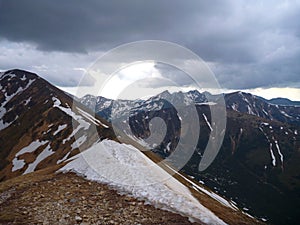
[17,164]
[82,123]
[206,103]
[43,155]
[234,106]
[250,111]
[27,101]
[129,171]
[31,147]
[285,114]
[3,110]
[279,152]
[60,128]
[78,142]
[207,122]
[272,155]
[168,149]
[68,111]
[264,111]
[64,158]
[91,118]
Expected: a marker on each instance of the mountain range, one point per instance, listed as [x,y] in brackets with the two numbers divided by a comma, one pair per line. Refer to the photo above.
[258,164]
[255,177]
[46,136]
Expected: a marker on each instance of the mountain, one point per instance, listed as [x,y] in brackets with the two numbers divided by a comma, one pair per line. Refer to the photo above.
[36,125]
[46,137]
[253,105]
[237,101]
[283,101]
[257,167]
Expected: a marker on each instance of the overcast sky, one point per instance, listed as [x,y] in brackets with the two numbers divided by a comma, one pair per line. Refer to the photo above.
[248,44]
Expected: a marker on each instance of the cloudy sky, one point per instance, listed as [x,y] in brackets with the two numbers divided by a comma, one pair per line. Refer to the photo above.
[249,45]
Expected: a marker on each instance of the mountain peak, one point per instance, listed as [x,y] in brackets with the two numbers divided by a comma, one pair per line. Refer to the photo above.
[164,94]
[19,73]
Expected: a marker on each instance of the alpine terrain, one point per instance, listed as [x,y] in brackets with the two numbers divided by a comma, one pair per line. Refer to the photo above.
[257,167]
[60,163]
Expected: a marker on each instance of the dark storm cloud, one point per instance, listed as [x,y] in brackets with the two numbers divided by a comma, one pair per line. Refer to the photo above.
[246,41]
[83,25]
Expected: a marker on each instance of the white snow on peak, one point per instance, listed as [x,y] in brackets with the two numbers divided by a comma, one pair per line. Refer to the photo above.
[3,110]
[129,171]
[207,122]
[9,75]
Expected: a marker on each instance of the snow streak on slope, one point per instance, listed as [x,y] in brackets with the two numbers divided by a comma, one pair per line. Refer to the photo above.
[272,155]
[43,155]
[82,123]
[279,152]
[20,163]
[129,171]
[3,110]
[59,129]
[91,118]
[207,122]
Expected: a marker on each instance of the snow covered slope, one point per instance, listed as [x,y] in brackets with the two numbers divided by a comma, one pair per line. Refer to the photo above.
[129,171]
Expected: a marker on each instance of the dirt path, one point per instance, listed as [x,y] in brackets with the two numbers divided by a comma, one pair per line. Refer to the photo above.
[70,199]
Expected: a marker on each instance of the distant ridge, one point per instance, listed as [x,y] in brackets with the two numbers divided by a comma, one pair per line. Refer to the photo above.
[283,101]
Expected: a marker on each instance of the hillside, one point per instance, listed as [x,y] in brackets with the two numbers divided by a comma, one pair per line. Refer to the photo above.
[38,125]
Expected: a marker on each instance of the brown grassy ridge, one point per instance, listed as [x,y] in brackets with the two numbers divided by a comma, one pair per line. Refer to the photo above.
[46,197]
